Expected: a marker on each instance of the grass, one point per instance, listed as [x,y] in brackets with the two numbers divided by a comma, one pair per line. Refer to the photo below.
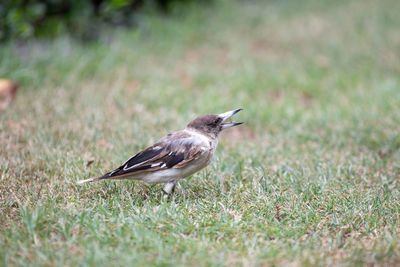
[311,178]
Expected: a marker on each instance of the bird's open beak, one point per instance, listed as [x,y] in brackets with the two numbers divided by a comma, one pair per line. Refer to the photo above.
[226,115]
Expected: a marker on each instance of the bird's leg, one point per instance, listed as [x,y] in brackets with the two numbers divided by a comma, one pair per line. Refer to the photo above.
[169,187]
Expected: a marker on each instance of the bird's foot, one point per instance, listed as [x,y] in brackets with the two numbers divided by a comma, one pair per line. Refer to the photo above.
[169,187]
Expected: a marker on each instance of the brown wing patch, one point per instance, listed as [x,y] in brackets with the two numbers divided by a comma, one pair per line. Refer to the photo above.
[191,155]
[173,151]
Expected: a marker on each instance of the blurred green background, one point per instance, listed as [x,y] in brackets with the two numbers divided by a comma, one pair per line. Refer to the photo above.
[25,19]
[311,178]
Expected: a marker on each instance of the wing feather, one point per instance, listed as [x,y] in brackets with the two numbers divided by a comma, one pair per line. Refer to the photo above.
[173,151]
[174,159]
[142,157]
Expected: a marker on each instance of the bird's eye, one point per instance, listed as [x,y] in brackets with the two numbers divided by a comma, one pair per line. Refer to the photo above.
[214,122]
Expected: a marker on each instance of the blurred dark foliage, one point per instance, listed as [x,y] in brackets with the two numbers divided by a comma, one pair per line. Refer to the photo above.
[22,19]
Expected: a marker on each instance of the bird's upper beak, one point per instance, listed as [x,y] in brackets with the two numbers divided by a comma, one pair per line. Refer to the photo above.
[226,115]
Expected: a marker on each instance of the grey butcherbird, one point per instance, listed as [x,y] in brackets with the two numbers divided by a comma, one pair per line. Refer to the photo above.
[177,155]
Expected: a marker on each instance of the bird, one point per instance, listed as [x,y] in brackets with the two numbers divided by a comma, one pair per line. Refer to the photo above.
[175,156]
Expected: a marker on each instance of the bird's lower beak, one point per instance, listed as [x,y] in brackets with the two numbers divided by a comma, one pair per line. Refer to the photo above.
[226,115]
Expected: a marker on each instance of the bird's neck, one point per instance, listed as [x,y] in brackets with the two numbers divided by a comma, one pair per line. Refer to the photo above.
[210,137]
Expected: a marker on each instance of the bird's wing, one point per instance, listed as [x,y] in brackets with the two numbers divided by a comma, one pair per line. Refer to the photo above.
[173,151]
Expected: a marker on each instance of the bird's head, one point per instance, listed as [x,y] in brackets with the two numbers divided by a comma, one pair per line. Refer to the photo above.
[213,124]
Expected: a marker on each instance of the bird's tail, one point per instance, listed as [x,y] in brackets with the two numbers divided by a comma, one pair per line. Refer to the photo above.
[88,180]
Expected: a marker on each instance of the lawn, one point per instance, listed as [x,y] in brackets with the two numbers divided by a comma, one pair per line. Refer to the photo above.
[312,177]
